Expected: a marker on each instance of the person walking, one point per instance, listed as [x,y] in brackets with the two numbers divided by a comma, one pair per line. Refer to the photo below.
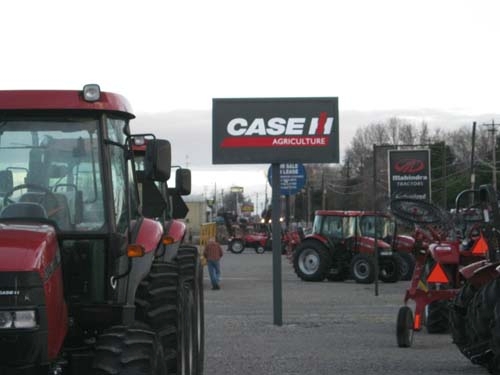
[213,253]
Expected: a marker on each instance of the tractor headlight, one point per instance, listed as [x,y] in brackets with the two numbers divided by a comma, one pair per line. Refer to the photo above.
[91,93]
[17,319]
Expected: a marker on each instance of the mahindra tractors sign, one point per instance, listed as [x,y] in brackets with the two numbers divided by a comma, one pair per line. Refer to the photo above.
[283,130]
[409,174]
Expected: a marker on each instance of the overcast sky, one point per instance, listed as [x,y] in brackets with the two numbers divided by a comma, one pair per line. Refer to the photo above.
[172,57]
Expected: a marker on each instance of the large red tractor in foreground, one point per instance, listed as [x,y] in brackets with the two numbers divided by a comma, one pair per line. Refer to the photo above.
[88,283]
[475,311]
[340,246]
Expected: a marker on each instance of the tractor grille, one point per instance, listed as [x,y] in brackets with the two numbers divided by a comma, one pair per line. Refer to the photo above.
[21,347]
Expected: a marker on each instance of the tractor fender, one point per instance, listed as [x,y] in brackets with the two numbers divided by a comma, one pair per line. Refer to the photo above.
[175,229]
[149,235]
[445,252]
[403,243]
[481,272]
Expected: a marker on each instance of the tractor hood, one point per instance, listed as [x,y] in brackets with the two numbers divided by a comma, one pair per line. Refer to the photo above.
[369,242]
[404,243]
[27,247]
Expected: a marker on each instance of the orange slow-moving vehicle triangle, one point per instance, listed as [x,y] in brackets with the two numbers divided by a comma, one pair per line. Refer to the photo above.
[480,247]
[437,275]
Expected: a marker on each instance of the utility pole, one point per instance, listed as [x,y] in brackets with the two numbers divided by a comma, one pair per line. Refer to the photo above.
[492,130]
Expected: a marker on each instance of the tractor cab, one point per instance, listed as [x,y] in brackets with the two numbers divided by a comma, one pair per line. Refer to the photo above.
[74,242]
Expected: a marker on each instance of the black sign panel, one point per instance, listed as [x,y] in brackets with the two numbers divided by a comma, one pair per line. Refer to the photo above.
[275,130]
[409,174]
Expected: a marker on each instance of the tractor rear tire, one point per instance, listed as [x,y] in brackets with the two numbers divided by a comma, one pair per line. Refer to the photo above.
[406,265]
[460,324]
[389,270]
[437,317]
[363,269]
[404,327]
[135,350]
[236,246]
[311,261]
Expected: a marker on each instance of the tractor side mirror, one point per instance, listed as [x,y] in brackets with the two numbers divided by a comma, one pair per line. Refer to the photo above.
[183,181]
[158,160]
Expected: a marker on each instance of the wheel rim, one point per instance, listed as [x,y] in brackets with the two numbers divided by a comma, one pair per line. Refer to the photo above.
[361,269]
[309,261]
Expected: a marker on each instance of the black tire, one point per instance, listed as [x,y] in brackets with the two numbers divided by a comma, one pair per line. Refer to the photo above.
[406,265]
[437,317]
[192,337]
[156,304]
[389,270]
[236,246]
[460,325]
[259,249]
[135,350]
[404,327]
[311,261]
[363,269]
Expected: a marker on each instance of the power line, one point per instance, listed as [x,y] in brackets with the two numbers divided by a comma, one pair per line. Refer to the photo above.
[492,130]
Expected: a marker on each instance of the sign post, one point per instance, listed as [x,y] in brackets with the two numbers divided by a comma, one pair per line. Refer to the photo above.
[276,131]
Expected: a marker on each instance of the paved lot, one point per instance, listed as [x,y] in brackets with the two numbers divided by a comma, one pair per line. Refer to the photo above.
[328,328]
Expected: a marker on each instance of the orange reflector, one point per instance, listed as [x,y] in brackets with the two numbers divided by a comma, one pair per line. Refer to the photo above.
[167,240]
[417,322]
[480,247]
[135,251]
[437,275]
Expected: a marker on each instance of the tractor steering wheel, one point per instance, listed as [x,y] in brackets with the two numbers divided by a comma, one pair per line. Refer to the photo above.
[43,199]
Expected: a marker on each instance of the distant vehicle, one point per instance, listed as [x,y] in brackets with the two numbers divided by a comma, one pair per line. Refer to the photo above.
[342,244]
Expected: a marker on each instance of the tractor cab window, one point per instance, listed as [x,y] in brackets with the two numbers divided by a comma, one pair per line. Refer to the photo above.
[120,179]
[51,166]
[332,227]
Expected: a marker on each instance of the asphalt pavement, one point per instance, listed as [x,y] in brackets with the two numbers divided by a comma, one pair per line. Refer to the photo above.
[328,327]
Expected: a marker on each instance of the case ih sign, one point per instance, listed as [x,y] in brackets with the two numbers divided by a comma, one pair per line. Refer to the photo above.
[270,130]
[409,174]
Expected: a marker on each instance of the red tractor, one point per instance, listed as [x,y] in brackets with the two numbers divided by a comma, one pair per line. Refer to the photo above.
[88,283]
[342,244]
[475,310]
[247,235]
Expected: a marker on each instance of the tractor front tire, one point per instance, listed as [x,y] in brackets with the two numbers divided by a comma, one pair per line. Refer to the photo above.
[157,306]
[135,350]
[363,269]
[389,270]
[311,261]
[406,265]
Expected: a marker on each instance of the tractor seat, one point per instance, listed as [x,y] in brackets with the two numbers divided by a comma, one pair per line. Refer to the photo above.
[23,210]
[57,211]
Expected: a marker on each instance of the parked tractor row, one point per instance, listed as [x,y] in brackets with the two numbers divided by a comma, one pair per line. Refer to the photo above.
[94,278]
[349,244]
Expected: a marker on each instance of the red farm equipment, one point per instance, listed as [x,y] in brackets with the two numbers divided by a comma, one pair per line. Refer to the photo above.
[340,246]
[475,310]
[89,284]
[444,243]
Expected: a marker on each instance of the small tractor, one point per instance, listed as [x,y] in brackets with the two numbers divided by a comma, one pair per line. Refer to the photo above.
[444,244]
[247,235]
[94,279]
[340,246]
